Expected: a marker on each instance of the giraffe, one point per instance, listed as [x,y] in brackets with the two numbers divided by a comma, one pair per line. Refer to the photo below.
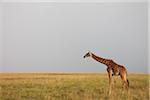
[113,69]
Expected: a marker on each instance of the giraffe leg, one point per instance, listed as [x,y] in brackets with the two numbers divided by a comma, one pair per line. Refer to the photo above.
[125,81]
[113,82]
[110,80]
[110,85]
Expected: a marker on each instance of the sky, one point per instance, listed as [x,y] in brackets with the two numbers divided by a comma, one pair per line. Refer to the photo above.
[53,37]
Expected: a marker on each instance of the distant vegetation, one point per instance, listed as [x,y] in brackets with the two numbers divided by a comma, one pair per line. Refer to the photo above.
[70,86]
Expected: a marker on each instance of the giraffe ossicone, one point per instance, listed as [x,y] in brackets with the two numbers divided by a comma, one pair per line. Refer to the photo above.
[90,53]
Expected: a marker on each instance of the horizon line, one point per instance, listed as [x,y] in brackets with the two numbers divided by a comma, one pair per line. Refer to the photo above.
[73,72]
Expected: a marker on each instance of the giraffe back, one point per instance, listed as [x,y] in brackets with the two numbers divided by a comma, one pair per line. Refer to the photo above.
[116,68]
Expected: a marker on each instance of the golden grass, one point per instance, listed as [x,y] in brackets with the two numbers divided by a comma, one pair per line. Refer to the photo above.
[70,86]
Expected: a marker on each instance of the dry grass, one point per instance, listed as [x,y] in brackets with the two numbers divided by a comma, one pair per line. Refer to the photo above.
[70,86]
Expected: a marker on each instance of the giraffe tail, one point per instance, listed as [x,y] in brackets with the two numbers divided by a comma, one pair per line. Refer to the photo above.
[128,82]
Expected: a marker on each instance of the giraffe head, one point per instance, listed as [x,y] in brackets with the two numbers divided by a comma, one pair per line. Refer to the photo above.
[88,54]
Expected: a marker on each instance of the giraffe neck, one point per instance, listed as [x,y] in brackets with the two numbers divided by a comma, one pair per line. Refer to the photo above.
[100,59]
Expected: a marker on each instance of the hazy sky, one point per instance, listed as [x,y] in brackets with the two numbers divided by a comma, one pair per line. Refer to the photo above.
[53,37]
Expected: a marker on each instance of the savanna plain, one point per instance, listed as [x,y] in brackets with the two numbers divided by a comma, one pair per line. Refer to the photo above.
[70,86]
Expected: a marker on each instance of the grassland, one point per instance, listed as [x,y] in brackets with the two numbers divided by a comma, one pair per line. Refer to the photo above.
[70,86]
